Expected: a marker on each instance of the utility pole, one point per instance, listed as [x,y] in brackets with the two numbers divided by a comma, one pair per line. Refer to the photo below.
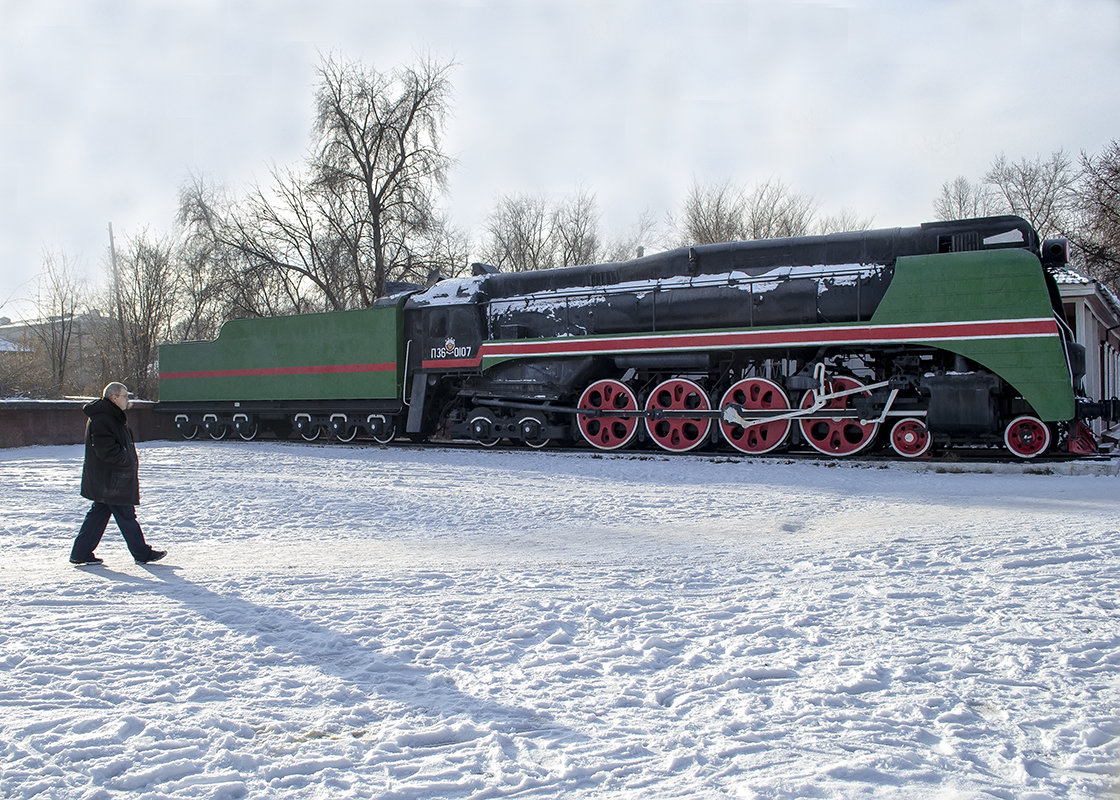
[117,295]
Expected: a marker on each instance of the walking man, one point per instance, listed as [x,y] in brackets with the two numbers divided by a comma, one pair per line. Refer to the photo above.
[110,478]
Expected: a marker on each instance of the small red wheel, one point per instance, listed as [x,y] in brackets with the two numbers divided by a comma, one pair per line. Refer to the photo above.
[607,432]
[840,436]
[756,393]
[678,434]
[910,438]
[1027,436]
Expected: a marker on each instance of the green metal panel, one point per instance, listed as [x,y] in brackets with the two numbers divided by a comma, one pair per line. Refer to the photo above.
[957,287]
[987,285]
[1035,367]
[342,355]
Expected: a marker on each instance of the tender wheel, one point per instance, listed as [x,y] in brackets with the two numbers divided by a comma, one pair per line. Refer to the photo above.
[678,434]
[840,436]
[481,425]
[189,430]
[1027,436]
[247,429]
[607,432]
[388,435]
[756,393]
[531,428]
[347,435]
[306,428]
[910,438]
[217,431]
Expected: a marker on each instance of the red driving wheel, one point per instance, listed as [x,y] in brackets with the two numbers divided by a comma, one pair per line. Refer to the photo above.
[756,394]
[839,436]
[607,432]
[678,434]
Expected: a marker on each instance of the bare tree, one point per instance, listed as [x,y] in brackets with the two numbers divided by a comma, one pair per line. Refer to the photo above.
[643,236]
[143,289]
[1040,191]
[444,253]
[343,208]
[277,242]
[287,230]
[359,215]
[713,213]
[773,210]
[264,251]
[962,199]
[845,220]
[379,134]
[723,213]
[526,232]
[575,226]
[520,235]
[59,296]
[198,311]
[1097,234]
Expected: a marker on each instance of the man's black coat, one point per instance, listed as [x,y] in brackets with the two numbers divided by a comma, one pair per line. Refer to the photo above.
[110,473]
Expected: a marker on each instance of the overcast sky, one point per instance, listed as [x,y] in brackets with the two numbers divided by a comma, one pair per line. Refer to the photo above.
[107,108]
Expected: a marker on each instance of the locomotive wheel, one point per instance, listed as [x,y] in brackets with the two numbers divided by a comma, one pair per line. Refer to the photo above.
[607,432]
[531,427]
[217,432]
[678,434]
[841,436]
[189,431]
[389,435]
[756,393]
[1027,436]
[347,435]
[248,432]
[910,438]
[311,435]
[481,424]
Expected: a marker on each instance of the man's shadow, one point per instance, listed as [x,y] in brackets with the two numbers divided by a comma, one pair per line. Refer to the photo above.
[370,673]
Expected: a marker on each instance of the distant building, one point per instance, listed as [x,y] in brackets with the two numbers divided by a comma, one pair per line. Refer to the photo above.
[7,346]
[1093,312]
[84,359]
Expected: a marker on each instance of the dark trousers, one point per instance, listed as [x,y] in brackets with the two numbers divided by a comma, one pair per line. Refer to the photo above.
[94,528]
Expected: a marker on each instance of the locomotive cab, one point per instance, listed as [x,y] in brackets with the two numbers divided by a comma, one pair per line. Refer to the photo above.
[444,325]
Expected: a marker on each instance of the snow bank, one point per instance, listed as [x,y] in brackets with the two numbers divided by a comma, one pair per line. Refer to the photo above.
[396,623]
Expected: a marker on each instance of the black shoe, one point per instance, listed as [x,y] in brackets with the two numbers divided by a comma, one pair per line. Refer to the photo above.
[81,562]
[155,555]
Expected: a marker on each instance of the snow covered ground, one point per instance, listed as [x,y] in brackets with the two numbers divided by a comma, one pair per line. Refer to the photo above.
[360,622]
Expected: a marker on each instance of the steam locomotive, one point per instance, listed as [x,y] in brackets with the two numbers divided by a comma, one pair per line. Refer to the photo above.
[944,335]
